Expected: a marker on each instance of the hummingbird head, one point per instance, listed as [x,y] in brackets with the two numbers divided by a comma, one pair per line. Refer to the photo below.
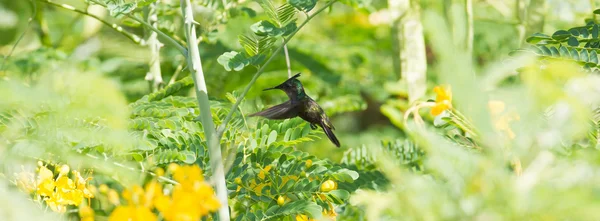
[292,87]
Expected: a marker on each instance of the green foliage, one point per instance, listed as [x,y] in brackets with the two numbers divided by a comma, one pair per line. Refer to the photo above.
[281,23]
[566,44]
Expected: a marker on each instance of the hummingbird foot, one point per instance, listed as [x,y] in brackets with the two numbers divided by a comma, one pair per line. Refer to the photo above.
[313,126]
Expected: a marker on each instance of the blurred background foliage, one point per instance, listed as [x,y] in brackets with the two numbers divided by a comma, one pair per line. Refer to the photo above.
[80,92]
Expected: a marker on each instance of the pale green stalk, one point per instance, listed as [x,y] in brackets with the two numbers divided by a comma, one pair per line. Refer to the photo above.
[469,17]
[195,66]
[154,75]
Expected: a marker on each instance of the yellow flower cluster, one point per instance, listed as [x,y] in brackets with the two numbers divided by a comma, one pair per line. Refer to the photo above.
[57,192]
[190,200]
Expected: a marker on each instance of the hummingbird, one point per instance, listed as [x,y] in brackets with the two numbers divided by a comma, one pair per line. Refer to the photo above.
[299,105]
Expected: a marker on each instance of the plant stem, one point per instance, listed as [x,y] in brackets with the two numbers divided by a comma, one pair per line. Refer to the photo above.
[221,128]
[469,18]
[521,12]
[287,60]
[154,75]
[169,40]
[12,49]
[195,65]
[136,39]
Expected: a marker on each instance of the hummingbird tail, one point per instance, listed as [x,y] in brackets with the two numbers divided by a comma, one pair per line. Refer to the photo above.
[330,134]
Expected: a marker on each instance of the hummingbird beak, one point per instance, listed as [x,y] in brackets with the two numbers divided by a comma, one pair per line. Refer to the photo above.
[276,87]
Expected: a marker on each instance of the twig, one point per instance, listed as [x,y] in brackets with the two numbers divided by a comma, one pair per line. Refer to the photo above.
[169,40]
[165,179]
[176,74]
[221,128]
[287,60]
[136,39]
[195,65]
[33,14]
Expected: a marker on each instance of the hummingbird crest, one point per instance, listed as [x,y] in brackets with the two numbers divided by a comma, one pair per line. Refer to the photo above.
[299,105]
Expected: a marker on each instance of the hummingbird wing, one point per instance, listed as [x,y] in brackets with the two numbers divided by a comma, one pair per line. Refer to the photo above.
[281,111]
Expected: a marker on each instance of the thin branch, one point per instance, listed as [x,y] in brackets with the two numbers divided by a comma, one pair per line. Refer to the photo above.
[163,178]
[221,128]
[195,65]
[33,14]
[176,74]
[287,60]
[136,39]
[469,17]
[169,40]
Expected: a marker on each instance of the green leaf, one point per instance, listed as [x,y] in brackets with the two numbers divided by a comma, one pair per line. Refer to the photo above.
[554,52]
[597,11]
[545,50]
[537,37]
[303,5]
[584,56]
[272,137]
[236,61]
[254,46]
[593,57]
[137,157]
[573,41]
[563,51]
[118,10]
[574,54]
[595,31]
[266,28]
[561,35]
[339,196]
[250,12]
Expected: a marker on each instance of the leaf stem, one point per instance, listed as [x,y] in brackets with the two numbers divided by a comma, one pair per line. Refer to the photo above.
[195,65]
[221,128]
[136,39]
[169,40]
[287,60]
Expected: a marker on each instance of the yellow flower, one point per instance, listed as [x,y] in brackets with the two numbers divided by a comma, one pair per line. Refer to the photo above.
[55,205]
[501,119]
[443,101]
[308,163]
[86,213]
[64,169]
[113,197]
[303,218]
[330,214]
[103,188]
[281,200]
[328,185]
[262,172]
[25,181]
[132,213]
